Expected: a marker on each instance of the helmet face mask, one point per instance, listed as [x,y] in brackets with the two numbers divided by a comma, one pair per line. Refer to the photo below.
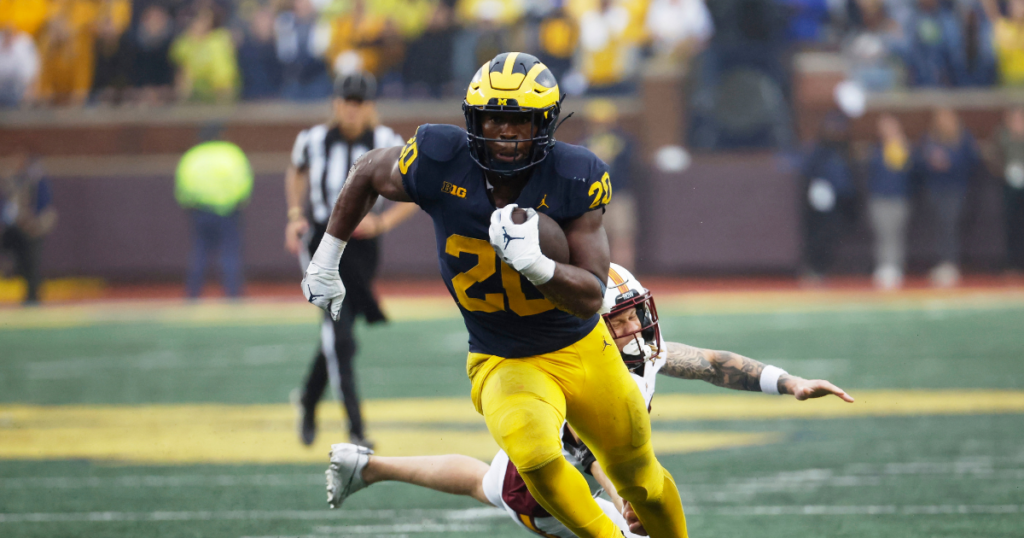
[648,331]
[516,84]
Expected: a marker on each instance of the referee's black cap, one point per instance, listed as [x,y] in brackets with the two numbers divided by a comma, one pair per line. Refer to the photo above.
[358,86]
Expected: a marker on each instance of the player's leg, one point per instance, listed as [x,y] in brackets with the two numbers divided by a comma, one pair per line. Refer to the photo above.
[354,467]
[453,473]
[524,408]
[610,416]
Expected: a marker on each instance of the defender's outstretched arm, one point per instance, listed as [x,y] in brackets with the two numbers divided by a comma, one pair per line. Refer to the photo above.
[733,371]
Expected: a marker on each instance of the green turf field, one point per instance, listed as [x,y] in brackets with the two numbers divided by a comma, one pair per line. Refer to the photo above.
[82,393]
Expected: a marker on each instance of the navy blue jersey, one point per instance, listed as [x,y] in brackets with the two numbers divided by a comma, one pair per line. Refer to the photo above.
[505,314]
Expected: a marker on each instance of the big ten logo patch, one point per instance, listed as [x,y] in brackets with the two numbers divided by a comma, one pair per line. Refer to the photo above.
[452,189]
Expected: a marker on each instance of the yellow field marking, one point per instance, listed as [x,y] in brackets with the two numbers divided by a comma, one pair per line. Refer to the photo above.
[215,433]
[870,403]
[248,434]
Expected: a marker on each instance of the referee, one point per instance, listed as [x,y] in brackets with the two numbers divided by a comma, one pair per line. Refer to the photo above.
[320,163]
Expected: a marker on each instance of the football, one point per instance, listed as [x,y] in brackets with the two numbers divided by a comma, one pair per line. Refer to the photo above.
[552,239]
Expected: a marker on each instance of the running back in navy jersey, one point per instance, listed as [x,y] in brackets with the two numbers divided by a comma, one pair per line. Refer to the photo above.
[505,314]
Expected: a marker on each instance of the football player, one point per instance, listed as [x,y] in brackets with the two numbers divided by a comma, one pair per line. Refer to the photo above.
[537,353]
[631,316]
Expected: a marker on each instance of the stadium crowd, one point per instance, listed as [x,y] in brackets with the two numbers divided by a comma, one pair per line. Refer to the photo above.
[72,52]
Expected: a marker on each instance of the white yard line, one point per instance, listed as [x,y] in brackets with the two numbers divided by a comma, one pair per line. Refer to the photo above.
[429,518]
[158,481]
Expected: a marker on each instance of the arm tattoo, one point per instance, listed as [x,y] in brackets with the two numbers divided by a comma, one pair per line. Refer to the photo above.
[721,368]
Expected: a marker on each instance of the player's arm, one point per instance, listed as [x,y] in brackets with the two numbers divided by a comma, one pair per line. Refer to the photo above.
[733,371]
[374,224]
[296,191]
[375,174]
[576,287]
[573,287]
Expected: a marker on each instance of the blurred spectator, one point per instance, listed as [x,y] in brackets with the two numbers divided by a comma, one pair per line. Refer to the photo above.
[213,182]
[828,194]
[808,20]
[978,57]
[741,84]
[19,67]
[1008,40]
[257,58]
[948,159]
[558,38]
[933,50]
[615,148]
[889,172]
[1011,146]
[26,16]
[152,73]
[300,47]
[67,51]
[362,40]
[28,216]
[205,56]
[869,50]
[607,55]
[483,35]
[114,62]
[428,65]
[409,17]
[679,28]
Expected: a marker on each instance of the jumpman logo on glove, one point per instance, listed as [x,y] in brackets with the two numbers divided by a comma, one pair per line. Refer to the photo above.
[508,238]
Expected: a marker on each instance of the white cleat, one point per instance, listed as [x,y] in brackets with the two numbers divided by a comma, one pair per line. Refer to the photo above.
[345,475]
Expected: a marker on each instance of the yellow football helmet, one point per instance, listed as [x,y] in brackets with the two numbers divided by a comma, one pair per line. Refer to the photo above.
[512,83]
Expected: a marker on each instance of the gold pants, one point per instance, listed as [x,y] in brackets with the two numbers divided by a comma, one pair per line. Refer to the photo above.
[524,402]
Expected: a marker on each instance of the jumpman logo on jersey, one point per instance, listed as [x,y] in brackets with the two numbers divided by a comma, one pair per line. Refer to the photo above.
[606,344]
[508,238]
[543,202]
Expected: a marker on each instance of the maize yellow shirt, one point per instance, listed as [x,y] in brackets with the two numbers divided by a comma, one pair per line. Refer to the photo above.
[1008,40]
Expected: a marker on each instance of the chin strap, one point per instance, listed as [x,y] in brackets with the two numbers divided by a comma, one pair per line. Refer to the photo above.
[561,122]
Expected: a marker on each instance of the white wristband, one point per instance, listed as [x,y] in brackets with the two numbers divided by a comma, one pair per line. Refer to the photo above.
[540,271]
[770,379]
[328,254]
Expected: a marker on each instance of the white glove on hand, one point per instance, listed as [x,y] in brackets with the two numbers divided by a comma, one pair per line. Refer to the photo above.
[322,284]
[518,245]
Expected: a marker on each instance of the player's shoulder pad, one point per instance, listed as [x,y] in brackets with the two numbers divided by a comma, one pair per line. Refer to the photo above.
[440,142]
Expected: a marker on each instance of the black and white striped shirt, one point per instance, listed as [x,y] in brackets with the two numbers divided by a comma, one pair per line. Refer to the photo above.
[327,156]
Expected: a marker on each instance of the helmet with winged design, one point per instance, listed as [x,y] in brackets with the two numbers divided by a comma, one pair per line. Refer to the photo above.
[512,83]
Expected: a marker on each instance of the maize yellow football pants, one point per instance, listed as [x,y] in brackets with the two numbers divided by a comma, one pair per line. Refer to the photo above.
[524,402]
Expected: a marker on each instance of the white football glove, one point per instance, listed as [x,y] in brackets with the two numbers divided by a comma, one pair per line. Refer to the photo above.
[518,245]
[322,284]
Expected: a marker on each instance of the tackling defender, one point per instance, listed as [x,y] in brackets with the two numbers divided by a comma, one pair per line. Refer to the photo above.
[538,355]
[632,318]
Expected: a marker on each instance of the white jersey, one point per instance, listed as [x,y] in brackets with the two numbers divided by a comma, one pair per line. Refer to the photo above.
[504,487]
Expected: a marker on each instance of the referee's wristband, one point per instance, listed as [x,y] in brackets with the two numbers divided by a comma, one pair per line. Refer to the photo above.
[770,379]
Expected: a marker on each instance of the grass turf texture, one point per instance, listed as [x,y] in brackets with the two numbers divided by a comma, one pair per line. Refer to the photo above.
[935,475]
